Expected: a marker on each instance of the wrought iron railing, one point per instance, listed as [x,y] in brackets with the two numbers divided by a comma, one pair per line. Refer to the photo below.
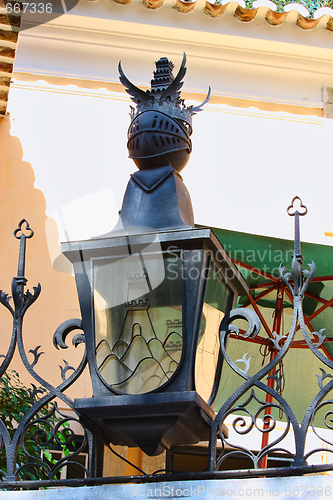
[268,382]
[255,406]
[43,424]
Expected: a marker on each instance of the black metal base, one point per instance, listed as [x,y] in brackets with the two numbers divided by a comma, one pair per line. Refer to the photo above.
[152,421]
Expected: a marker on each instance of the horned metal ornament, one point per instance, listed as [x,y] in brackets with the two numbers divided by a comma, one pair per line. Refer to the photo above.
[161,122]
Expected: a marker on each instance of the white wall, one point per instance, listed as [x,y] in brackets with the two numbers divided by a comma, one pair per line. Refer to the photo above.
[245,167]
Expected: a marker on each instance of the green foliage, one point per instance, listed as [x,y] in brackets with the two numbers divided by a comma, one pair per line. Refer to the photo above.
[15,402]
[311,5]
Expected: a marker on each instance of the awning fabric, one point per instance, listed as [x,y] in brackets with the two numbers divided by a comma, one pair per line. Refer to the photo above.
[265,252]
[258,259]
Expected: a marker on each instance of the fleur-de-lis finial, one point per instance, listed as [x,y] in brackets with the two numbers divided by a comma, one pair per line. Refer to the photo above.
[22,300]
[295,209]
[22,233]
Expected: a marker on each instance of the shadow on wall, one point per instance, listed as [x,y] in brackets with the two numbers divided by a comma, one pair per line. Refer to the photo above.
[58,300]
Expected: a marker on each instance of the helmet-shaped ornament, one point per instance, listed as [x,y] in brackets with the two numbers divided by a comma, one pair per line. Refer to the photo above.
[161,123]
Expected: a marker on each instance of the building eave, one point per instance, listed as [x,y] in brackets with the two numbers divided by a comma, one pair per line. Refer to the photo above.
[246,64]
[9,26]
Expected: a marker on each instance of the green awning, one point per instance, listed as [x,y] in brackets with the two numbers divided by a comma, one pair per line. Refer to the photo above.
[266,253]
[258,259]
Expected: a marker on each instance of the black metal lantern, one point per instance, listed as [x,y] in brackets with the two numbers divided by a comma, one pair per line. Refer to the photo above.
[154,290]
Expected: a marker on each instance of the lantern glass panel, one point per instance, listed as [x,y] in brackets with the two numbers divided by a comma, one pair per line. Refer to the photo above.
[216,302]
[138,328]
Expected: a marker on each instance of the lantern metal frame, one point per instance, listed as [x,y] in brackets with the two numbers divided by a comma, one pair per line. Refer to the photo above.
[176,405]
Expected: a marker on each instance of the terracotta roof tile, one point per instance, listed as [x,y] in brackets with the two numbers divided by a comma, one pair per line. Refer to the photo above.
[316,11]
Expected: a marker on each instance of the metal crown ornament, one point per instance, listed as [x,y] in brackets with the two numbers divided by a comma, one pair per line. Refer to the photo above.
[161,123]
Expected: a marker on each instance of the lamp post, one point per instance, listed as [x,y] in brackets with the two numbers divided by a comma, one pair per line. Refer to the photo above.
[154,290]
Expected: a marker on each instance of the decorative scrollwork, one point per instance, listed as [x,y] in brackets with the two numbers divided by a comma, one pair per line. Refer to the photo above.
[322,377]
[36,355]
[278,379]
[320,337]
[61,333]
[34,392]
[65,369]
[245,420]
[50,432]
[250,316]
[29,298]
[277,339]
[241,422]
[296,274]
[268,420]
[309,275]
[246,362]
[327,420]
[5,300]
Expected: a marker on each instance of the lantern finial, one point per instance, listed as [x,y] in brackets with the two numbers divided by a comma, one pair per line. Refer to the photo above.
[161,123]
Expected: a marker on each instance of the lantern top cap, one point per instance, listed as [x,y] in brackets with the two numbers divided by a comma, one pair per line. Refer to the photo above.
[164,94]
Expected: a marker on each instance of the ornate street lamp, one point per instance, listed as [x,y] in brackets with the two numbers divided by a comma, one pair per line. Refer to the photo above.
[154,290]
